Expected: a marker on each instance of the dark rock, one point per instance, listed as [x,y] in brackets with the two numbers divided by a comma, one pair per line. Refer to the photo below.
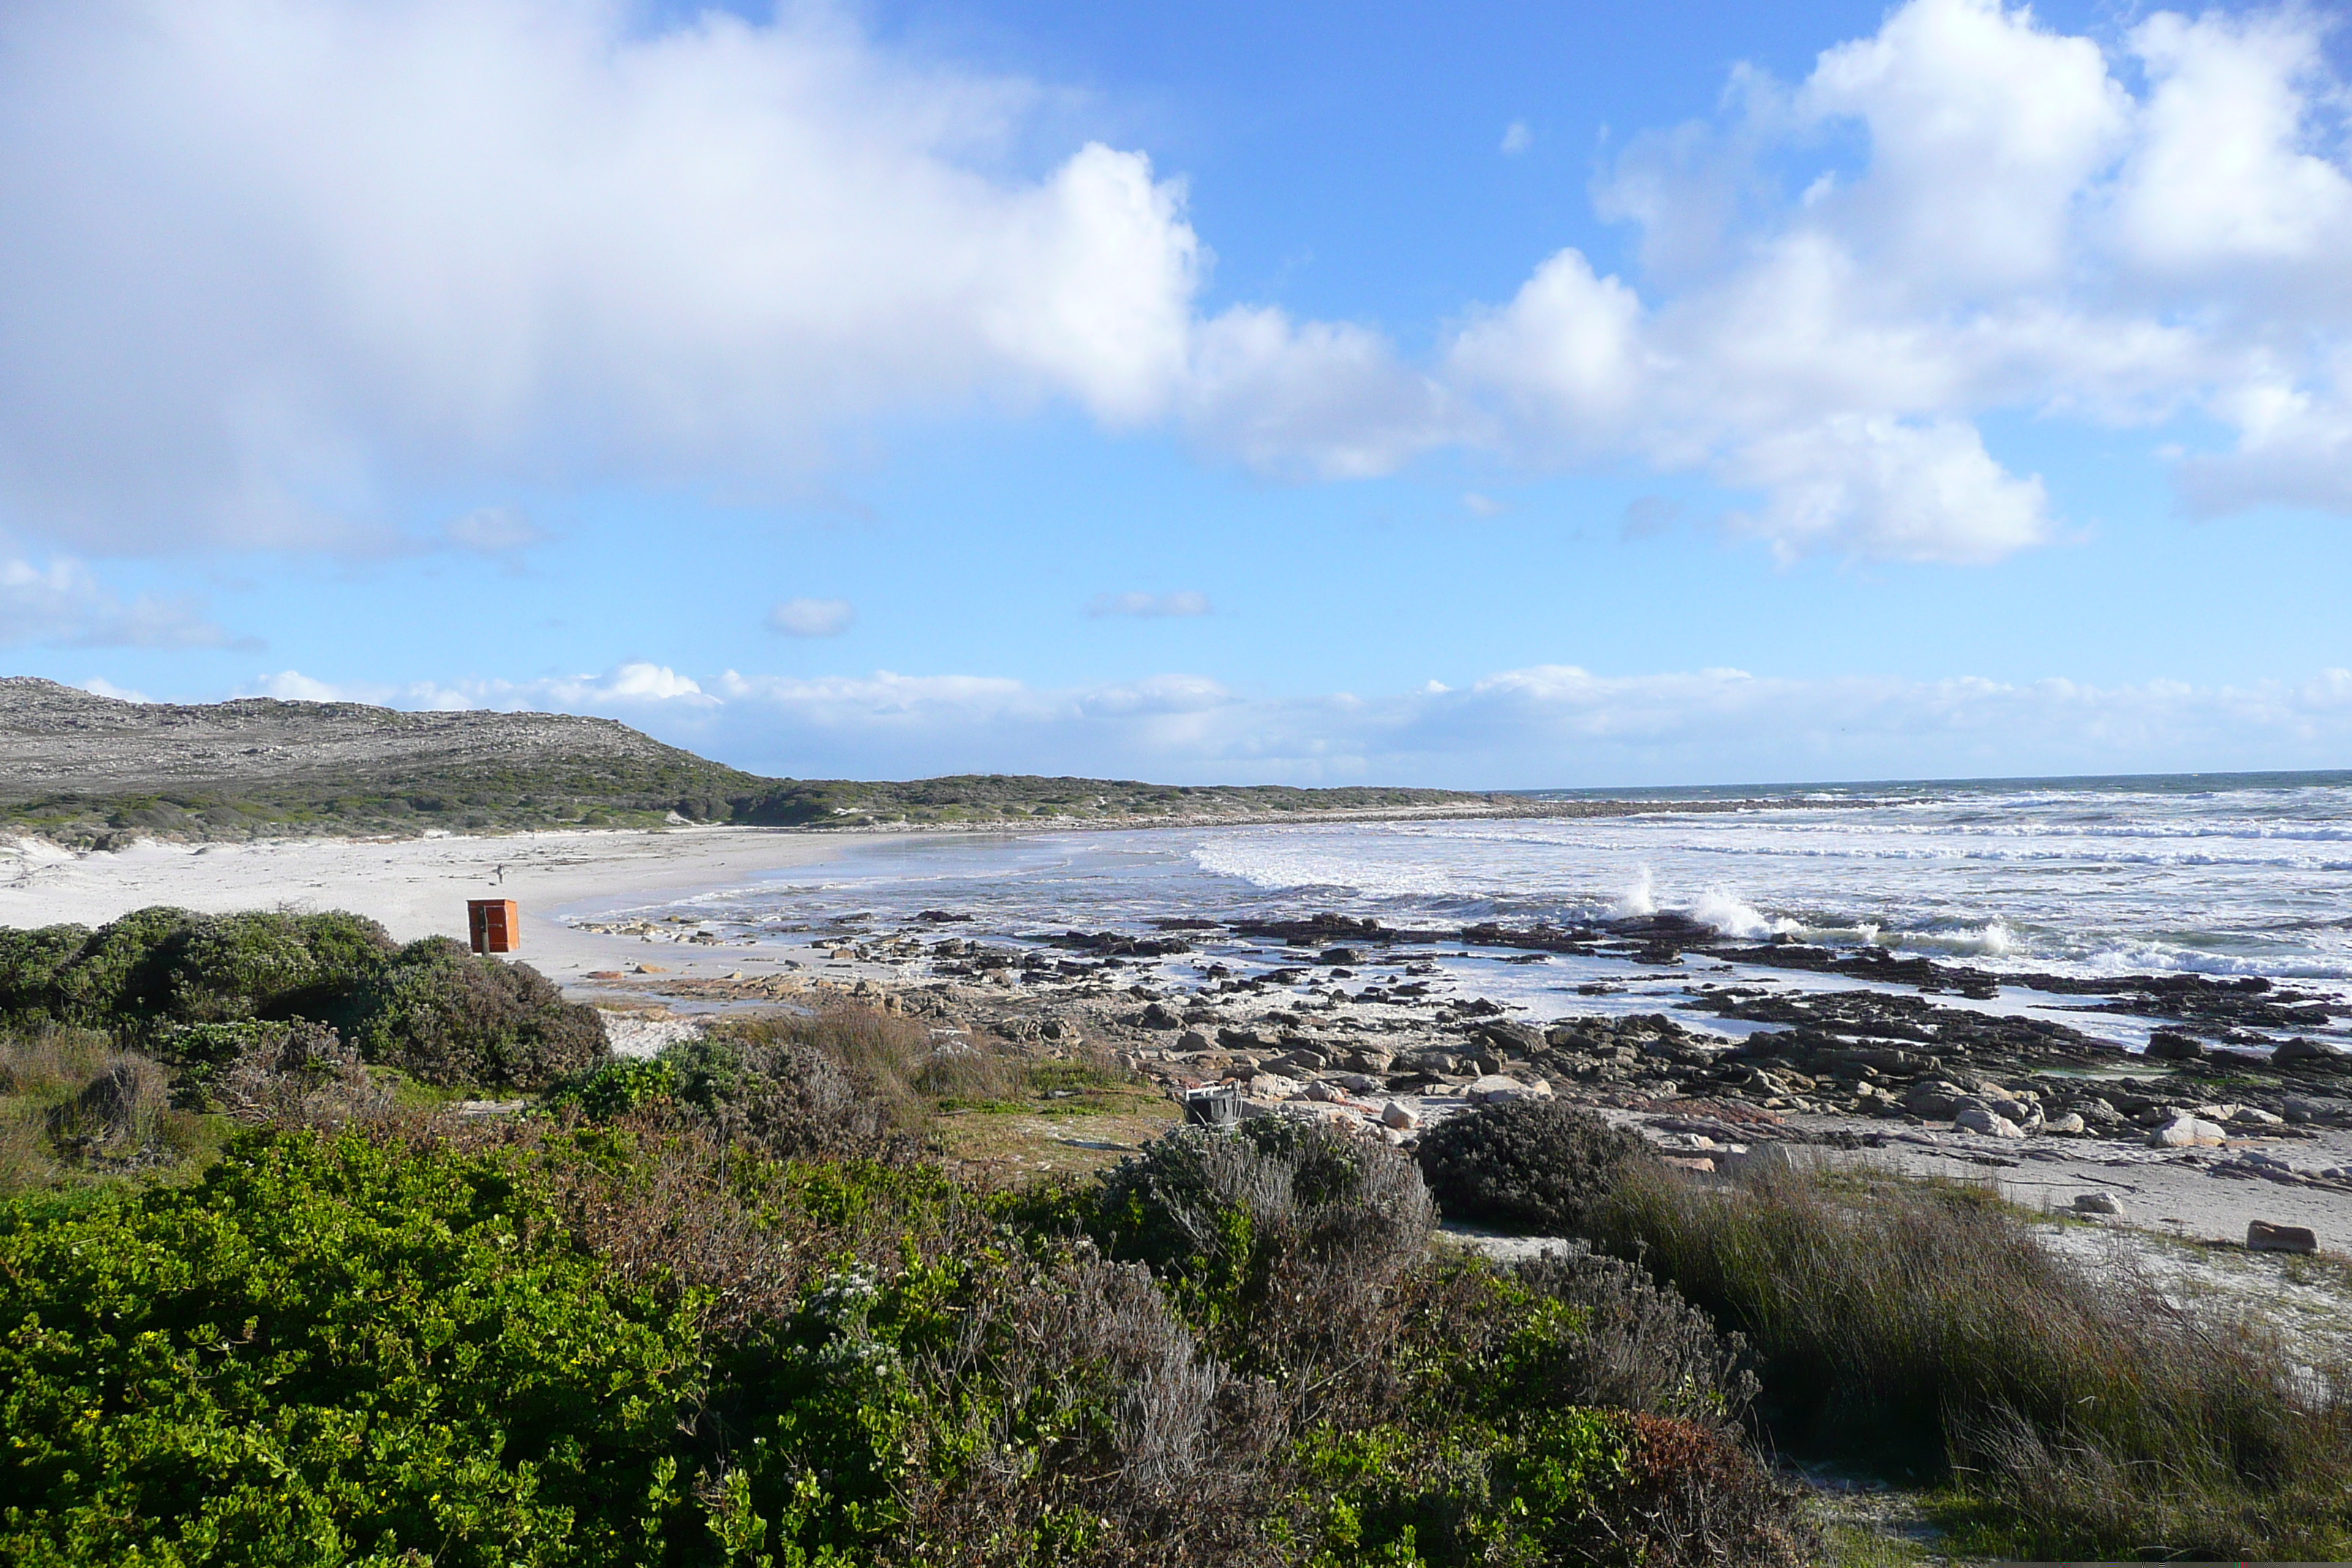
[2264,1237]
[2170,1046]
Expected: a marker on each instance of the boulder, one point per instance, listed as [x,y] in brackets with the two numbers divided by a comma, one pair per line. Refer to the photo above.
[1983,1119]
[2252,1116]
[1493,1088]
[1398,1117]
[2067,1126]
[1933,1100]
[2299,1049]
[1511,1038]
[1273,1086]
[2171,1046]
[2264,1237]
[1160,1016]
[1194,1040]
[1372,1059]
[2187,1133]
[1359,1082]
[1697,1164]
[2097,1202]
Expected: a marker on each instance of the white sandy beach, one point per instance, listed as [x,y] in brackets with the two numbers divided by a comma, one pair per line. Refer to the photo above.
[417,887]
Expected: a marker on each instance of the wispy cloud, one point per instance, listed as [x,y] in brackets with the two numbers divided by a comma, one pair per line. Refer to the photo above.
[812,617]
[1149,606]
[1517,139]
[63,605]
[493,529]
[1546,725]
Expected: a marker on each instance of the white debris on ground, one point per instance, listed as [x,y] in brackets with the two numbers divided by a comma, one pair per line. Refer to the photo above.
[641,1035]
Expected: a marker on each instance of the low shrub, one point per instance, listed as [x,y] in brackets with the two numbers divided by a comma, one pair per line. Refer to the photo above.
[1642,1348]
[299,1075]
[766,1084]
[1281,1239]
[1092,1422]
[1485,1445]
[190,988]
[117,1113]
[446,1016]
[1529,1165]
[636,1341]
[615,1089]
[1922,1328]
[75,1112]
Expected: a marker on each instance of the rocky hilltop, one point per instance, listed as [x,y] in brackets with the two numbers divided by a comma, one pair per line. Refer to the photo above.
[74,764]
[86,769]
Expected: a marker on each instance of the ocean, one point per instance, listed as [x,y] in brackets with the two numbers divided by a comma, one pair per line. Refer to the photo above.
[2216,874]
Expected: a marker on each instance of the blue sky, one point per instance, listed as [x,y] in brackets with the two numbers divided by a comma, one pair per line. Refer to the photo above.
[1511,396]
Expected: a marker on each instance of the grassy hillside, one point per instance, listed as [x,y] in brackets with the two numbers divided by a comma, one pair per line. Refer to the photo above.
[85,769]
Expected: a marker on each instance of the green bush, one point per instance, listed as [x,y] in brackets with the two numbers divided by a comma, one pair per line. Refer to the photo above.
[446,1016]
[1529,1165]
[615,1089]
[165,965]
[271,965]
[330,1351]
[631,1343]
[191,987]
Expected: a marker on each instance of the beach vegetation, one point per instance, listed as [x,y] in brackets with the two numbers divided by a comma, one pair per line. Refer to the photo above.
[731,1305]
[191,990]
[1921,1331]
[1534,1166]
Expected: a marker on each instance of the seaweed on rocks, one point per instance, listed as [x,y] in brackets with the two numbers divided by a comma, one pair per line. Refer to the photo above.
[1576,941]
[1112,943]
[1315,930]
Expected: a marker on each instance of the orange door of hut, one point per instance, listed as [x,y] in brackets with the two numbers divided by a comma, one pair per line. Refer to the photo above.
[494,925]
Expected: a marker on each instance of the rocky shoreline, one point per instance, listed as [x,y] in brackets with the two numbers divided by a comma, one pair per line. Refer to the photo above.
[1911,1061]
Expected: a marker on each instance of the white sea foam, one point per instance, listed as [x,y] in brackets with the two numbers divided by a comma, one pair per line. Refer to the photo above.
[1639,898]
[1732,917]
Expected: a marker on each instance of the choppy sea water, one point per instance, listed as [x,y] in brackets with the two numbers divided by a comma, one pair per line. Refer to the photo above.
[2215,874]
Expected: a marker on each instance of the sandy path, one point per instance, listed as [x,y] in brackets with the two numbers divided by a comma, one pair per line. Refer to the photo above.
[418,887]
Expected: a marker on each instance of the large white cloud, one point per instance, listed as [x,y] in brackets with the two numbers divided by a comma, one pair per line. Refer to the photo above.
[274,265]
[2022,231]
[1550,725]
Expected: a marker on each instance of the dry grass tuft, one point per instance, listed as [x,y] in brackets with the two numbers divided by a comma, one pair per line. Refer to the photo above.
[1913,1326]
